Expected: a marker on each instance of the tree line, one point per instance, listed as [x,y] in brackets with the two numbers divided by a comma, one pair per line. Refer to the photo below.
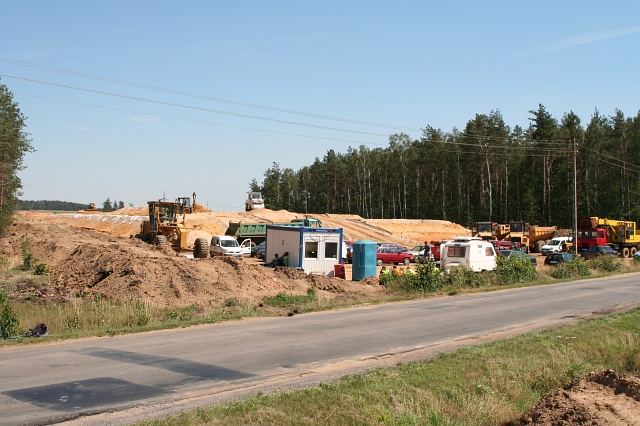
[107,205]
[487,172]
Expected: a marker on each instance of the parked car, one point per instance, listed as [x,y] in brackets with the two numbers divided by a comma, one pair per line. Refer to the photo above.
[254,249]
[595,251]
[260,253]
[393,255]
[518,253]
[418,253]
[556,245]
[399,247]
[504,245]
[555,259]
[223,245]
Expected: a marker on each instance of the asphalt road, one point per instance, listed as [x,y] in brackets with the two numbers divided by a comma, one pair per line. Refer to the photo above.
[127,378]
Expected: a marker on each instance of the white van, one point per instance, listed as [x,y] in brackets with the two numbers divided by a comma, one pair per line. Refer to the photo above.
[556,245]
[469,252]
[223,245]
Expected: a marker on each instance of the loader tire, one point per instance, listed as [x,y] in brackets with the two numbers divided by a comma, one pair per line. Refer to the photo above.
[201,248]
[159,240]
[625,252]
[633,251]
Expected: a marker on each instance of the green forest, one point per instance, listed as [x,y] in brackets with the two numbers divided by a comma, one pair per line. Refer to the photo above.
[107,205]
[487,172]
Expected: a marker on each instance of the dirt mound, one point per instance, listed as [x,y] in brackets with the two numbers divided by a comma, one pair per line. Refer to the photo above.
[127,221]
[605,398]
[199,208]
[85,263]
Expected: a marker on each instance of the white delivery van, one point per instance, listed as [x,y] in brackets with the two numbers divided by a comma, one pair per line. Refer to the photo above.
[468,252]
[556,245]
[224,245]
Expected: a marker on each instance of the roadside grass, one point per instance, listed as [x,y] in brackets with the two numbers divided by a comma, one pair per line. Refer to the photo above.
[80,317]
[488,384]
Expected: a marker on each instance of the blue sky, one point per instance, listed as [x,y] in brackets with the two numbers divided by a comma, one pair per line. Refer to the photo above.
[135,100]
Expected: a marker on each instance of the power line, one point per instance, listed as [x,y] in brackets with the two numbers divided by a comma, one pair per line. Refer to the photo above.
[493,138]
[199,96]
[190,120]
[173,104]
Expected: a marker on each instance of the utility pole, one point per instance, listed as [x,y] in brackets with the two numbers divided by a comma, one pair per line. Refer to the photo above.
[575,199]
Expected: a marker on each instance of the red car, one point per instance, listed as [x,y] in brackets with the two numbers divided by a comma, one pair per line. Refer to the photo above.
[393,255]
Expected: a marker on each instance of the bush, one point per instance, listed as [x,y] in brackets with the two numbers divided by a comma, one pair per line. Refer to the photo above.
[41,269]
[4,263]
[8,318]
[28,259]
[576,267]
[511,270]
[606,263]
[428,277]
[459,277]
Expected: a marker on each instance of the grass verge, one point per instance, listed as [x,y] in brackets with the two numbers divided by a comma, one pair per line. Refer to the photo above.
[481,385]
[80,317]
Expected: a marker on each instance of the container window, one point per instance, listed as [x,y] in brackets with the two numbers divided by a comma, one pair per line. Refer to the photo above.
[311,250]
[331,250]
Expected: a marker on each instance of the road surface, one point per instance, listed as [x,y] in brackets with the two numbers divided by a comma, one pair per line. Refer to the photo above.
[126,378]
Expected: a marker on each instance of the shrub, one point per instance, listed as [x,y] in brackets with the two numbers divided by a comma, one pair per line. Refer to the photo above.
[428,277]
[459,277]
[576,267]
[606,263]
[28,259]
[41,269]
[511,270]
[8,318]
[4,263]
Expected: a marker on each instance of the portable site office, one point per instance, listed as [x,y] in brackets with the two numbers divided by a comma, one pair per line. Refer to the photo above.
[315,250]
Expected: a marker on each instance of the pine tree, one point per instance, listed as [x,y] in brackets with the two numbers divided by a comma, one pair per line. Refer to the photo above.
[14,144]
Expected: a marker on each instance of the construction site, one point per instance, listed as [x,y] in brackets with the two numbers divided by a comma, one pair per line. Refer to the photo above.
[90,253]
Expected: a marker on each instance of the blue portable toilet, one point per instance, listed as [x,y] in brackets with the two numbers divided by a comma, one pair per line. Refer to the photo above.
[364,260]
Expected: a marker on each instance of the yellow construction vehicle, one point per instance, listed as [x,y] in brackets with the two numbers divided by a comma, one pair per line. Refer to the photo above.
[163,228]
[491,231]
[530,238]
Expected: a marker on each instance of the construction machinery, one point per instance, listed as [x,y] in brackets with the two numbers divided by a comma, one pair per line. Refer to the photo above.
[491,231]
[530,238]
[254,201]
[258,231]
[163,227]
[620,235]
[91,209]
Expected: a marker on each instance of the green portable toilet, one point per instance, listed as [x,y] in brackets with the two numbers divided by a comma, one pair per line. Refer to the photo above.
[364,260]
